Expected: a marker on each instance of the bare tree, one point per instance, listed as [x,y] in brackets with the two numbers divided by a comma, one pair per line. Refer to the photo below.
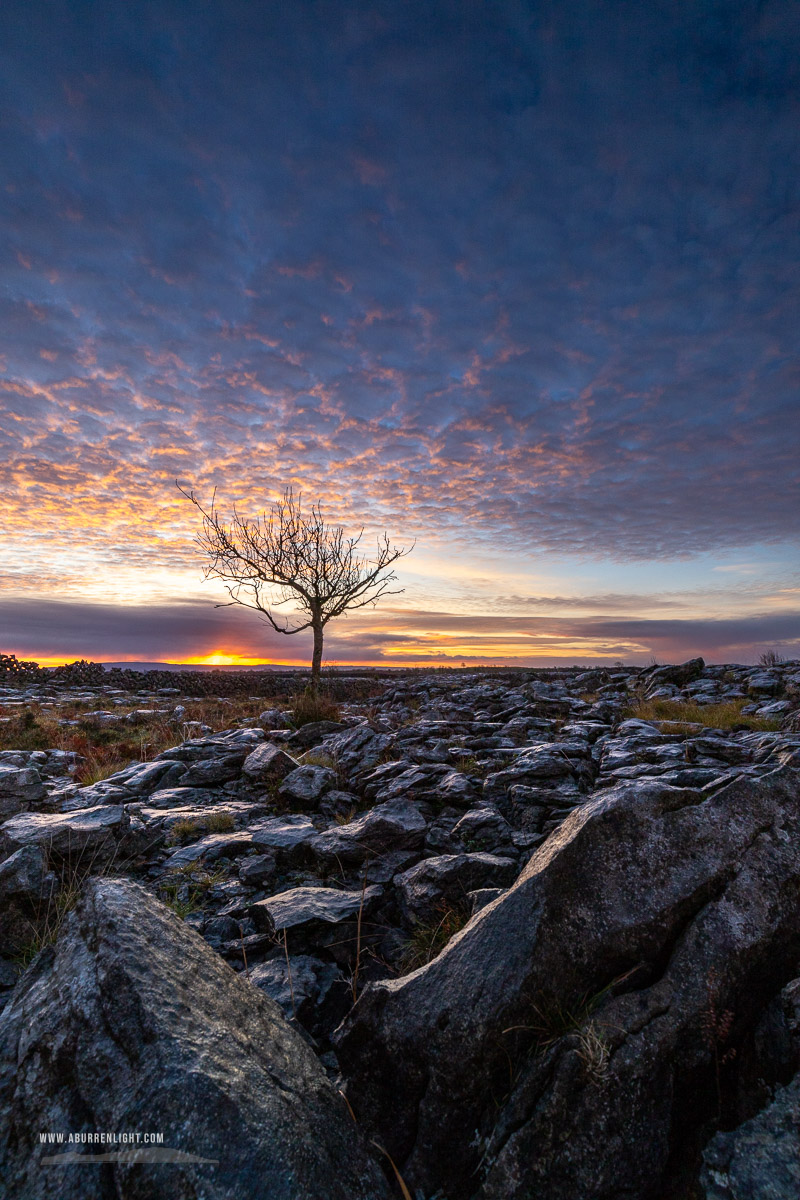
[287,555]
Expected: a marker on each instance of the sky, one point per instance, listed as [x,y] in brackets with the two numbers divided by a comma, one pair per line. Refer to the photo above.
[516,282]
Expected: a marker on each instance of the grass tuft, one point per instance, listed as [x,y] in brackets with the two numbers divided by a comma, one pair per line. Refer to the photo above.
[429,938]
[185,889]
[713,716]
[219,822]
[308,707]
[183,830]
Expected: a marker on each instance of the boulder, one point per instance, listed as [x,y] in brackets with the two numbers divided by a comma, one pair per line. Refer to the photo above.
[237,742]
[545,764]
[257,870]
[131,1022]
[764,683]
[304,906]
[97,830]
[145,778]
[287,838]
[394,779]
[24,876]
[212,772]
[213,845]
[268,764]
[680,674]
[485,829]
[358,749]
[272,718]
[19,787]
[683,901]
[182,797]
[312,733]
[447,880]
[396,825]
[299,986]
[306,785]
[458,789]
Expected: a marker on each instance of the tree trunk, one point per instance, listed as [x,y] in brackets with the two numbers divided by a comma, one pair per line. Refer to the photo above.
[316,661]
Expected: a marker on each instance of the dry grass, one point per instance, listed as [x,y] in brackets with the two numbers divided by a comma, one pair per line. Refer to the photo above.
[713,716]
[107,749]
[308,707]
[551,1019]
[183,831]
[468,765]
[49,921]
[219,822]
[186,888]
[593,1051]
[319,758]
[189,829]
[429,938]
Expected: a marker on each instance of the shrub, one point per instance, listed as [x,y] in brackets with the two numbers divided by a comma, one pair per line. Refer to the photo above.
[771,658]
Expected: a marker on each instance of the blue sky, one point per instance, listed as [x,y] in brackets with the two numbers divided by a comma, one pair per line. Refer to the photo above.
[517,280]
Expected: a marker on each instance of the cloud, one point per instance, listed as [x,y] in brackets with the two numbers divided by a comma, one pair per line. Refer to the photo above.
[526,273]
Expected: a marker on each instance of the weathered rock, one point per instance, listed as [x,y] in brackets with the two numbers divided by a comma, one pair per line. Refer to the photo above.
[299,987]
[396,825]
[19,787]
[485,829]
[212,772]
[272,718]
[764,683]
[680,675]
[24,875]
[304,906]
[257,870]
[447,879]
[268,764]
[288,837]
[183,797]
[418,782]
[145,778]
[221,929]
[237,742]
[481,897]
[214,845]
[761,1159]
[544,764]
[306,785]
[133,1022]
[693,893]
[457,788]
[313,733]
[358,749]
[96,830]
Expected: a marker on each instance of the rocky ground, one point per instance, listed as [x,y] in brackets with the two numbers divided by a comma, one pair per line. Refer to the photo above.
[544,946]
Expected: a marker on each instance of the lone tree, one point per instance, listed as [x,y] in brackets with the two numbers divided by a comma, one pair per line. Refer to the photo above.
[287,555]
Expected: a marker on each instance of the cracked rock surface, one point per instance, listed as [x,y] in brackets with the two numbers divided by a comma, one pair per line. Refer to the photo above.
[133,1023]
